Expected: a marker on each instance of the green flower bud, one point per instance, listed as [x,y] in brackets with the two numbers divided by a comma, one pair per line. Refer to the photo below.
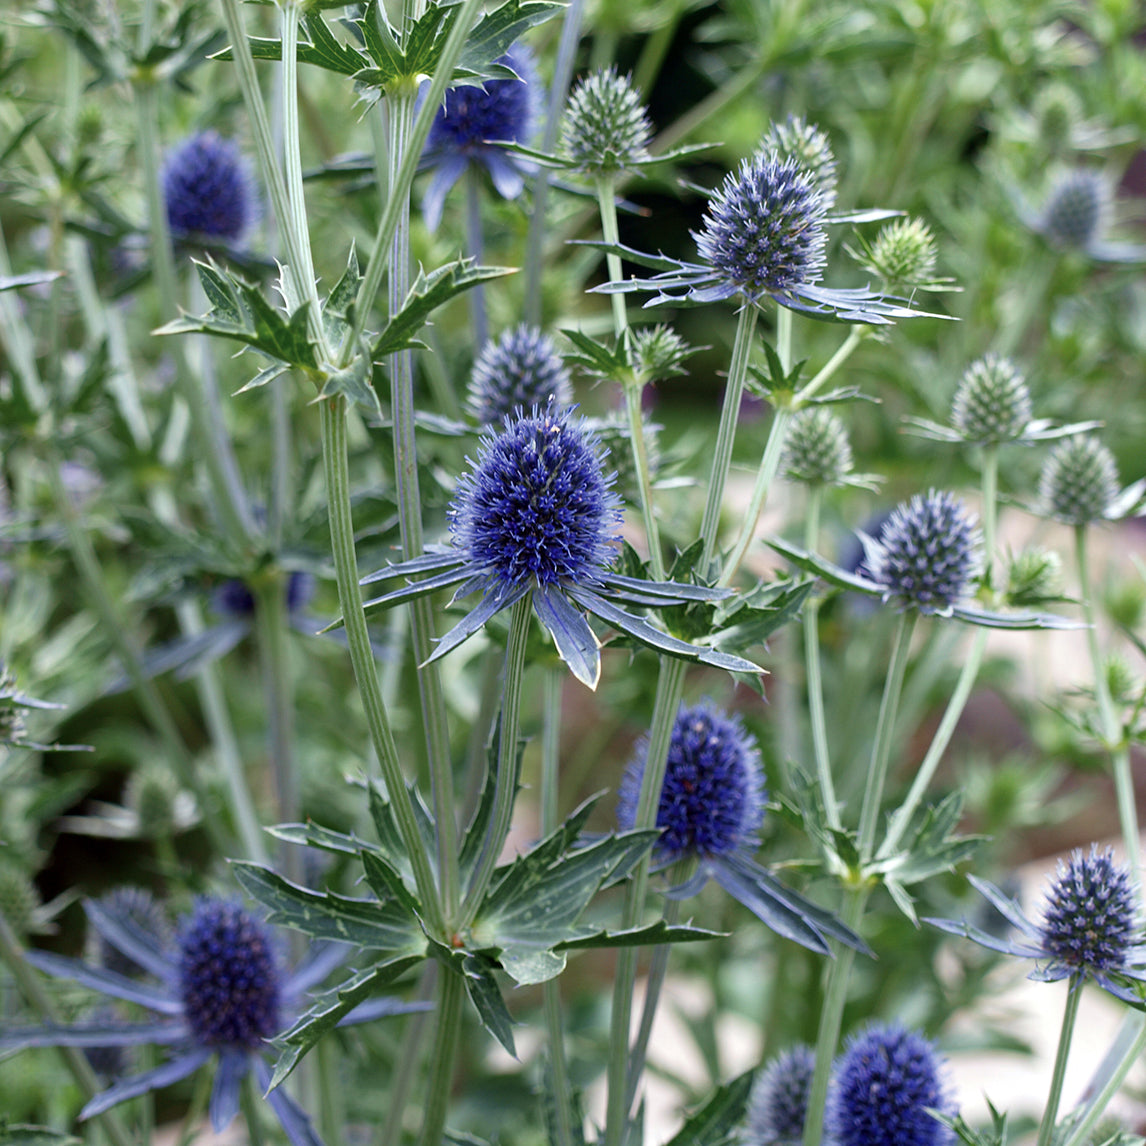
[1079,481]
[902,255]
[606,125]
[992,403]
[817,450]
[809,147]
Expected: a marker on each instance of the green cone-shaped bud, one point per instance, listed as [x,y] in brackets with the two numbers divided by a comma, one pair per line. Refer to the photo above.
[902,255]
[1079,481]
[19,898]
[817,450]
[992,403]
[804,142]
[606,125]
[151,793]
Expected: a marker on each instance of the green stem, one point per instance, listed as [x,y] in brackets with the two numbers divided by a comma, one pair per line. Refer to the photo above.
[332,1113]
[784,337]
[404,176]
[827,371]
[607,205]
[535,240]
[409,1063]
[552,684]
[475,248]
[1112,1084]
[290,12]
[670,686]
[644,479]
[990,513]
[336,468]
[504,789]
[1112,732]
[447,1028]
[251,1101]
[409,498]
[1033,284]
[271,627]
[1070,1013]
[12,955]
[769,467]
[729,414]
[831,1018]
[814,671]
[884,732]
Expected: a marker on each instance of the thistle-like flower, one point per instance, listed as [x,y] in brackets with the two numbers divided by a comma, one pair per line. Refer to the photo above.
[902,256]
[928,553]
[472,123]
[522,369]
[778,1105]
[1089,926]
[992,403]
[710,810]
[538,516]
[208,190]
[222,993]
[1079,482]
[764,237]
[817,450]
[606,127]
[1077,215]
[884,1086]
[805,143]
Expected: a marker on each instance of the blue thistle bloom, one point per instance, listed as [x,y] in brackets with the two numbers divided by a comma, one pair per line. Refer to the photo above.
[778,1106]
[208,189]
[927,555]
[764,237]
[711,808]
[537,515]
[1089,927]
[522,369]
[470,125]
[222,993]
[884,1084]
[712,802]
[1077,215]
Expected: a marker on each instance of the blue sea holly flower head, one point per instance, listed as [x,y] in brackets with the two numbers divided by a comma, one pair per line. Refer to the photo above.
[884,1087]
[222,992]
[536,515]
[764,236]
[471,124]
[519,370]
[606,128]
[710,811]
[1077,215]
[1089,929]
[778,1105]
[927,555]
[208,190]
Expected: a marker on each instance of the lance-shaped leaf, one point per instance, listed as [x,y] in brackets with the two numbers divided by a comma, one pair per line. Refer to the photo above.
[427,293]
[496,32]
[391,845]
[239,311]
[312,835]
[385,926]
[652,935]
[718,1122]
[331,1008]
[30,278]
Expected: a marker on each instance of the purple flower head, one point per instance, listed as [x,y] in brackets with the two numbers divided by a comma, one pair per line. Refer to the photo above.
[521,370]
[208,189]
[764,229]
[229,977]
[927,555]
[472,122]
[220,994]
[1089,928]
[1089,918]
[537,509]
[233,598]
[712,800]
[884,1083]
[779,1102]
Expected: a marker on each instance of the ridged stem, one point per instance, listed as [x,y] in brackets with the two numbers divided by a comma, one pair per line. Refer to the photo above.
[399,199]
[12,955]
[409,498]
[815,681]
[504,789]
[566,1134]
[725,435]
[829,368]
[336,468]
[607,205]
[1115,738]
[670,686]
[447,1028]
[644,479]
[1069,1015]
[1132,1051]
[558,90]
[409,1062]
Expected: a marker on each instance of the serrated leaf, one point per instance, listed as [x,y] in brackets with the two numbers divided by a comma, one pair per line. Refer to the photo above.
[321,48]
[597,358]
[356,383]
[331,1008]
[313,836]
[388,926]
[338,307]
[484,993]
[718,1121]
[493,35]
[428,292]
